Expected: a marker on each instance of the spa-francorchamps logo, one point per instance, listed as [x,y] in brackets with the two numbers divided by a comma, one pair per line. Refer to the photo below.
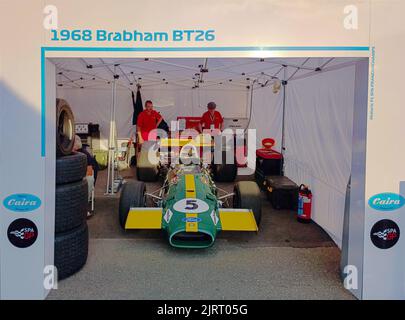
[385,234]
[22,233]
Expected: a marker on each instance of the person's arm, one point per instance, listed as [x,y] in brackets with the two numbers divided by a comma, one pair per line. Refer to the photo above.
[160,118]
[139,129]
[221,125]
[201,125]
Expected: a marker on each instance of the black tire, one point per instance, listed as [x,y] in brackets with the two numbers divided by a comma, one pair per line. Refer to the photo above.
[71,168]
[65,128]
[132,195]
[225,172]
[145,170]
[247,196]
[71,250]
[71,202]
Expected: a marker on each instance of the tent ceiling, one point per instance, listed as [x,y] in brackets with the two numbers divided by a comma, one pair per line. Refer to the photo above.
[187,73]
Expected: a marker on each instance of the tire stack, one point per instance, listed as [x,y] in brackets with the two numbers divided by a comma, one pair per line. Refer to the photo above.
[71,198]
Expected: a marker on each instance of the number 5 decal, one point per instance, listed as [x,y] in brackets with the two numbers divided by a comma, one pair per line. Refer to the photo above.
[190,205]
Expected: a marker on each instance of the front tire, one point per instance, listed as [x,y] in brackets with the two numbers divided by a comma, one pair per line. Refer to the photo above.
[247,196]
[132,195]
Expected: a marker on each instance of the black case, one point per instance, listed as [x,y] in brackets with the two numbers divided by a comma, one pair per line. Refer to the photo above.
[260,179]
[282,192]
[269,167]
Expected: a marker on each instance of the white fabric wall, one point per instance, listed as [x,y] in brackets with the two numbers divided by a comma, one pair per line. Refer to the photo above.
[319,125]
[267,115]
[93,105]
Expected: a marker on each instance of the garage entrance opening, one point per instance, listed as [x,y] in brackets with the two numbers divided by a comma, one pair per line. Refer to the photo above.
[306,108]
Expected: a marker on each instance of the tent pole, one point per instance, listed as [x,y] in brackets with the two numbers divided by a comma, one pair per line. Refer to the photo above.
[113,134]
[284,83]
[111,141]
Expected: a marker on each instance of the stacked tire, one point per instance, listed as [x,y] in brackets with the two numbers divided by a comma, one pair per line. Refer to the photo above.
[71,198]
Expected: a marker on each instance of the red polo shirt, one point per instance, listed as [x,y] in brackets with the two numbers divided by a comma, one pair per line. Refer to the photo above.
[147,121]
[208,119]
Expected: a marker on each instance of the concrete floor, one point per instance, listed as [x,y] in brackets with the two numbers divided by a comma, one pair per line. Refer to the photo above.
[285,260]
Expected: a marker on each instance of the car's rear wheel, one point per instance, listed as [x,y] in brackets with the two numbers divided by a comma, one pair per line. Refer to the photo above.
[146,169]
[132,195]
[224,172]
[247,196]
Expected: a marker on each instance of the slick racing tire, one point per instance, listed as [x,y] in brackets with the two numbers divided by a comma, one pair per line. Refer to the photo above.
[71,249]
[224,172]
[247,196]
[71,202]
[145,169]
[71,168]
[65,128]
[132,195]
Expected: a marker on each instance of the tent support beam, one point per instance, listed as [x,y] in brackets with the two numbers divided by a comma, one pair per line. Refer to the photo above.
[111,140]
[284,83]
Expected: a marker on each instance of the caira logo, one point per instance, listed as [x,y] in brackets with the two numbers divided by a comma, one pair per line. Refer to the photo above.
[22,202]
[386,201]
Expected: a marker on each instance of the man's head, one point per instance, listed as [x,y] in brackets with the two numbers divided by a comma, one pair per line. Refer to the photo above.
[211,106]
[148,105]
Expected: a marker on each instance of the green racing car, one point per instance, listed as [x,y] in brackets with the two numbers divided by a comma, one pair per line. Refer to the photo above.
[189,207]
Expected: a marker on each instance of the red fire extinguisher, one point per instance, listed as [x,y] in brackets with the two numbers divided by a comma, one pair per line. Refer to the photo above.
[304,204]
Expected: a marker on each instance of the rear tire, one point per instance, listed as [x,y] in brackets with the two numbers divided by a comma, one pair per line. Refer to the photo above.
[225,172]
[65,128]
[247,196]
[132,195]
[71,250]
[145,169]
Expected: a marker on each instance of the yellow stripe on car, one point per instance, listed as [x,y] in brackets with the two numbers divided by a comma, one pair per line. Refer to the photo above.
[190,193]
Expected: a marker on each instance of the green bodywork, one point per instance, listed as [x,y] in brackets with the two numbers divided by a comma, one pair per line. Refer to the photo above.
[177,219]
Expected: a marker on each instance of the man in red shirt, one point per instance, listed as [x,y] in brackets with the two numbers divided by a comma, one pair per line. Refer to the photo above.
[148,120]
[212,119]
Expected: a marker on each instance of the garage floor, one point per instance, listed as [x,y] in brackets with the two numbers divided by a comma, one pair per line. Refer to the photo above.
[285,260]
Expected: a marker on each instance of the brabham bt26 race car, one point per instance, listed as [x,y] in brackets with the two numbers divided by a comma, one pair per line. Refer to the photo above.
[190,208]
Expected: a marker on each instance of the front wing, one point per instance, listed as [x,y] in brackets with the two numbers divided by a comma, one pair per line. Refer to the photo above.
[231,219]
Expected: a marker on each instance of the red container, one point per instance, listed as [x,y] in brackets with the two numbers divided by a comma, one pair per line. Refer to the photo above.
[304,204]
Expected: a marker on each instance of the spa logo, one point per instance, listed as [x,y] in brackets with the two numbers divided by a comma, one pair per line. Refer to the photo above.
[385,234]
[22,233]
[22,202]
[386,201]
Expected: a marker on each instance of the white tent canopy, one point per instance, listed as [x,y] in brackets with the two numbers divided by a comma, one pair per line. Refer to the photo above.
[318,112]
